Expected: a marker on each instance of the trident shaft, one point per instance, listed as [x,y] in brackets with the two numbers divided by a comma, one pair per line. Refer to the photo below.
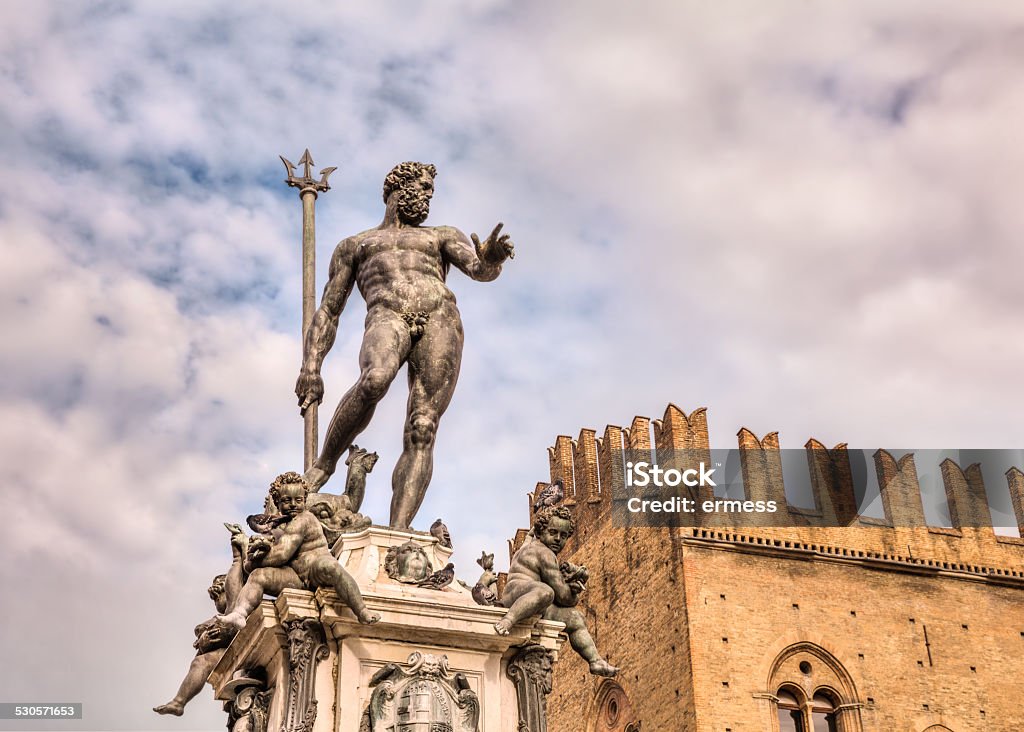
[308,188]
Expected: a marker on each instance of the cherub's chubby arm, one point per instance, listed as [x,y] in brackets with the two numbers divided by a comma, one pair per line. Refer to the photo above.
[480,260]
[551,575]
[287,544]
[320,337]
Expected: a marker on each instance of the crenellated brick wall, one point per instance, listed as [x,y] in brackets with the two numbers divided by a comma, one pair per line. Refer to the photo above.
[924,623]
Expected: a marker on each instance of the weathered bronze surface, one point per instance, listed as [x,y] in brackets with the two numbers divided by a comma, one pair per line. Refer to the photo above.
[538,584]
[400,269]
[296,556]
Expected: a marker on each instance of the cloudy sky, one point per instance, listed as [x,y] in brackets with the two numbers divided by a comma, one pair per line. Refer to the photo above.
[804,216]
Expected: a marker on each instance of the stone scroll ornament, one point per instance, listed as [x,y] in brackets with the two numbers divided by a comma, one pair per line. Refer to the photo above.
[306,647]
[530,671]
[422,695]
[249,708]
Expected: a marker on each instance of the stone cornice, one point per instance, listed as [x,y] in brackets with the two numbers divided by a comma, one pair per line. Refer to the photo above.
[807,551]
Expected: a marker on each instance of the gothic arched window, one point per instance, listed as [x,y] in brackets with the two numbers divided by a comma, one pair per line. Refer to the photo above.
[796,714]
[810,691]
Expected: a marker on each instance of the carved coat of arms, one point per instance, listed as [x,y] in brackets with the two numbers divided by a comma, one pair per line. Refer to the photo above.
[424,696]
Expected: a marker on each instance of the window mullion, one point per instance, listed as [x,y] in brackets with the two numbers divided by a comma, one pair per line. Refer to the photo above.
[808,718]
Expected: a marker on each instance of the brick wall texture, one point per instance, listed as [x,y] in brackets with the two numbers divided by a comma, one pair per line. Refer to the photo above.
[908,629]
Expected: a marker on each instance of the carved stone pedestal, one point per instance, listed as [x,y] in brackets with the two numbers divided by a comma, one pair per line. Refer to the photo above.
[433,663]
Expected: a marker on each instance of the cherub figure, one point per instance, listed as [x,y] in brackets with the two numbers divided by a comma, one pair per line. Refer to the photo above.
[211,637]
[297,558]
[537,585]
[333,511]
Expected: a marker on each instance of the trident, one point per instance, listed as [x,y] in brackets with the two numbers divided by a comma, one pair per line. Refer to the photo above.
[308,188]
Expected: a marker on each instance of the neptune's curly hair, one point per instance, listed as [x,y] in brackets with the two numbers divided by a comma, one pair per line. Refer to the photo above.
[405,173]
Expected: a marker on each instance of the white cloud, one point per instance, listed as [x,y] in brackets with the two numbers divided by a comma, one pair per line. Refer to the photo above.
[804,215]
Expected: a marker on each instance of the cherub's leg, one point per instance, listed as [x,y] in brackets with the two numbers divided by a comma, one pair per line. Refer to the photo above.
[265,580]
[581,640]
[385,344]
[526,600]
[326,572]
[196,676]
[434,363]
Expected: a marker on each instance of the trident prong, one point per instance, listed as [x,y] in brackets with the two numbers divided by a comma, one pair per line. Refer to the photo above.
[323,178]
[307,180]
[289,166]
[306,162]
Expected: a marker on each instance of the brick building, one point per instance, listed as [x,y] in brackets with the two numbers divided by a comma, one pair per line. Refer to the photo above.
[880,625]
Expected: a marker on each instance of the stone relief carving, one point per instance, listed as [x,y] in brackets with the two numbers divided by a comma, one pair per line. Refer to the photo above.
[248,709]
[306,647]
[407,563]
[530,671]
[424,695]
